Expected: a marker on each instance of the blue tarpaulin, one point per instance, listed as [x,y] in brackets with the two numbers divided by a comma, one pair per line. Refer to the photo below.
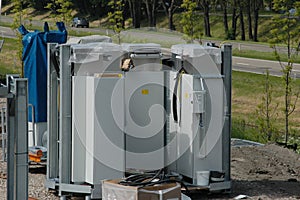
[35,65]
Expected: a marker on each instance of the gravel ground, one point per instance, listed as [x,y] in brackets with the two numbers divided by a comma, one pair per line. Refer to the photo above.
[259,172]
[35,184]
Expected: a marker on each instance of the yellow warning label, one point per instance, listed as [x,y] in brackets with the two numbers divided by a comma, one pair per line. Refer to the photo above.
[186,95]
[145,92]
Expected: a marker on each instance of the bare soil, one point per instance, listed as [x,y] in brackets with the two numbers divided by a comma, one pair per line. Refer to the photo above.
[259,172]
[265,172]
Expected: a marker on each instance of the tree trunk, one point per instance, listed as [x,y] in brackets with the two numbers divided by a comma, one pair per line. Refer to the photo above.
[171,23]
[271,5]
[250,34]
[169,10]
[207,22]
[225,19]
[126,14]
[234,21]
[149,12]
[255,36]
[163,3]
[205,5]
[287,87]
[137,14]
[268,102]
[84,7]
[130,4]
[242,24]
[286,111]
[153,11]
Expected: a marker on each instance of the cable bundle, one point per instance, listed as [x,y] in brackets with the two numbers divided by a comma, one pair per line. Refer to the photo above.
[151,179]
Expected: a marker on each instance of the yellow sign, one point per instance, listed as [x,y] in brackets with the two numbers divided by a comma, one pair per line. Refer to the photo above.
[145,92]
[186,95]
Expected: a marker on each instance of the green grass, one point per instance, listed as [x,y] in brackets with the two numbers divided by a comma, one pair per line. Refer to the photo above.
[9,59]
[243,131]
[247,92]
[252,85]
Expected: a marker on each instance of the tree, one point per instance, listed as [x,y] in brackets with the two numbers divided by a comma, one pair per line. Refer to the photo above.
[249,18]
[267,110]
[241,16]
[232,34]
[224,5]
[135,12]
[92,7]
[39,4]
[269,3]
[189,20]
[116,17]
[61,10]
[18,20]
[257,4]
[285,31]
[206,5]
[170,6]
[5,2]
[151,6]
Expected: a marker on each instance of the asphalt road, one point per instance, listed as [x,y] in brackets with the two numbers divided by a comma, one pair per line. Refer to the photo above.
[260,66]
[6,32]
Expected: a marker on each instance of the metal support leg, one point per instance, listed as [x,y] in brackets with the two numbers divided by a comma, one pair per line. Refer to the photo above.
[10,148]
[4,134]
[21,140]
[52,118]
[17,182]
[65,126]
[227,64]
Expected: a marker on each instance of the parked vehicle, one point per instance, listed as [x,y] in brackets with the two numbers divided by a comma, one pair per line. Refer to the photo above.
[80,22]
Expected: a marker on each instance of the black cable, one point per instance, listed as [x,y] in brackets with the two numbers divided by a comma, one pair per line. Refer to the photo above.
[54,60]
[169,181]
[140,181]
[147,179]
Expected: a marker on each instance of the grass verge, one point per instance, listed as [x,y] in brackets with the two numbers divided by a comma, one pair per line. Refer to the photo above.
[261,55]
[247,93]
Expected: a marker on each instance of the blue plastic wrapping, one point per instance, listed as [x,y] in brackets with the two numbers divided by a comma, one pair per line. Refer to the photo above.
[35,65]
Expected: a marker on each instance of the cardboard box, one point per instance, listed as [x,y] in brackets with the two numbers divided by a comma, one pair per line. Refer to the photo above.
[112,190]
